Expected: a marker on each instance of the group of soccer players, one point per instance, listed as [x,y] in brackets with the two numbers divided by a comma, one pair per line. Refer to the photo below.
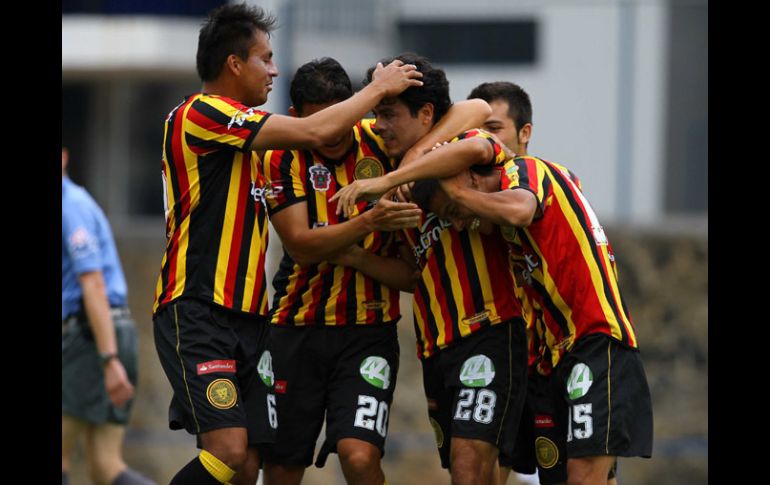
[508,284]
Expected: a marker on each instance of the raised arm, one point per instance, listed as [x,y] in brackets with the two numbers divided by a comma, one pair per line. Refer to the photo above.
[311,246]
[442,162]
[328,125]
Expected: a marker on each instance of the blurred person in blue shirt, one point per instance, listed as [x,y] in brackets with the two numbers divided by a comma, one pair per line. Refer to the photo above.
[99,343]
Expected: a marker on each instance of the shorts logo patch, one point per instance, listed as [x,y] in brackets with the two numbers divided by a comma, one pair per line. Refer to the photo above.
[579,382]
[280,387]
[265,368]
[544,421]
[546,451]
[376,371]
[478,371]
[227,366]
[221,394]
[368,167]
[321,177]
[437,432]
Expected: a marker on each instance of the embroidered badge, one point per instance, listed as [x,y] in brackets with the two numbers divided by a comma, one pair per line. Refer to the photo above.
[221,394]
[369,167]
[320,177]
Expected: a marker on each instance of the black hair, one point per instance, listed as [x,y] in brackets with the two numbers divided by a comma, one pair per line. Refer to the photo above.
[519,105]
[319,81]
[422,192]
[229,29]
[434,90]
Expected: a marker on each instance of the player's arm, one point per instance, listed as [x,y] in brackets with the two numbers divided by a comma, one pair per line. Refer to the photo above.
[97,308]
[311,246]
[396,273]
[443,162]
[513,207]
[330,124]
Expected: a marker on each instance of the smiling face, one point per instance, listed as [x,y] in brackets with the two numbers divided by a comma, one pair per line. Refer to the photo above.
[258,71]
[398,128]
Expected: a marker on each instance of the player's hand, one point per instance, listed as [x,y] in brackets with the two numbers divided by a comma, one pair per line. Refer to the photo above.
[389,215]
[403,193]
[349,256]
[368,189]
[395,77]
[119,388]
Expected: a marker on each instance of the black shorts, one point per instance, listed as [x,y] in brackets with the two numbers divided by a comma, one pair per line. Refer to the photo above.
[209,355]
[347,373]
[476,388]
[541,441]
[604,388]
[83,395]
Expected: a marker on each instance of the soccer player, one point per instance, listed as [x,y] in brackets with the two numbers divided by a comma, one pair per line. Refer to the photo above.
[333,343]
[470,336]
[210,309]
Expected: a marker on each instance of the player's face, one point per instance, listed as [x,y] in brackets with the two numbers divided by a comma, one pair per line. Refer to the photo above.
[259,70]
[336,150]
[500,124]
[397,127]
[447,209]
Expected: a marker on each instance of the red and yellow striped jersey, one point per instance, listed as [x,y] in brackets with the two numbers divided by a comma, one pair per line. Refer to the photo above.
[216,225]
[565,260]
[325,293]
[465,279]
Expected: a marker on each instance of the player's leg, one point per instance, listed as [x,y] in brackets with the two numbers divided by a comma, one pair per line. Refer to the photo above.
[71,430]
[104,452]
[473,461]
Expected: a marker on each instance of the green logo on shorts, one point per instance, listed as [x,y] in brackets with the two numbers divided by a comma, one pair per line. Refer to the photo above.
[265,368]
[376,371]
[580,381]
[478,371]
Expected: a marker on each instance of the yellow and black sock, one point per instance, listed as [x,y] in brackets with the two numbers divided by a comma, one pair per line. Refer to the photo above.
[205,469]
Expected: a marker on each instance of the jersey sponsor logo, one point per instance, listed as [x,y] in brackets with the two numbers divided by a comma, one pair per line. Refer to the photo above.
[265,368]
[430,233]
[321,177]
[269,191]
[479,317]
[374,304]
[221,394]
[438,433]
[546,451]
[579,382]
[368,167]
[280,387]
[477,371]
[376,371]
[82,243]
[211,366]
[240,117]
[544,421]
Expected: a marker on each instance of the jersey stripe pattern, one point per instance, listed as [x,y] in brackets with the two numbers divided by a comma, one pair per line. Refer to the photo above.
[465,278]
[325,293]
[216,224]
[565,261]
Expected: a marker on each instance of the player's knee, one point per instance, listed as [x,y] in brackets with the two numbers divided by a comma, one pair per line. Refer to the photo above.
[104,467]
[230,454]
[360,459]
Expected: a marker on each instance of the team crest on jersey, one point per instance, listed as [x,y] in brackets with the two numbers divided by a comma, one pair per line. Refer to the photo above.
[221,393]
[369,167]
[321,177]
[546,451]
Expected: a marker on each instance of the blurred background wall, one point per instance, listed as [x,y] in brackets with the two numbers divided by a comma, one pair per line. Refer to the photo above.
[619,92]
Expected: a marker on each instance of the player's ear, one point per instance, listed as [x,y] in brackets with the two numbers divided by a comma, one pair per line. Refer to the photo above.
[524,134]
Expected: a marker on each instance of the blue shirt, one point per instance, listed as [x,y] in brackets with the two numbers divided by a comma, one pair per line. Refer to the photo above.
[86,245]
